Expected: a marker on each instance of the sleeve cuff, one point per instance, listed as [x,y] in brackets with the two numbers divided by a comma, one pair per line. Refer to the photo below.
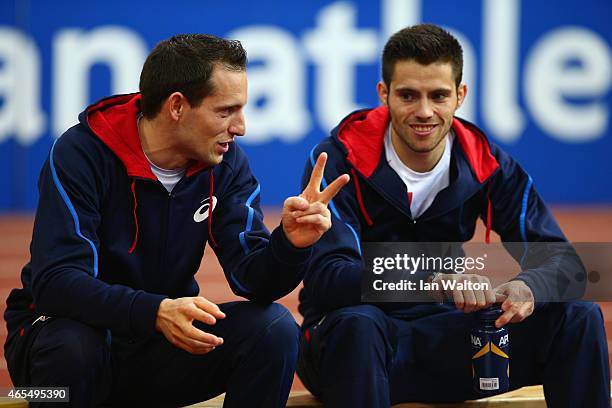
[143,313]
[284,250]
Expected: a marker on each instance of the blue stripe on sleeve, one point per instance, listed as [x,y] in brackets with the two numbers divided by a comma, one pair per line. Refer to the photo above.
[248,227]
[522,218]
[332,207]
[249,223]
[73,213]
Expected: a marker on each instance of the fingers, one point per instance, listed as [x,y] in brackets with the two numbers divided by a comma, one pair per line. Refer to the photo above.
[203,310]
[175,320]
[510,309]
[468,297]
[296,204]
[201,316]
[514,312]
[334,188]
[317,215]
[316,220]
[314,208]
[499,297]
[192,346]
[525,311]
[458,299]
[480,301]
[210,307]
[470,301]
[184,335]
[508,306]
[197,335]
[518,303]
[316,176]
[313,192]
[489,294]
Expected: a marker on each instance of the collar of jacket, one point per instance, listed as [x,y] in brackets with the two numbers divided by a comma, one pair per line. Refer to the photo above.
[114,121]
[361,136]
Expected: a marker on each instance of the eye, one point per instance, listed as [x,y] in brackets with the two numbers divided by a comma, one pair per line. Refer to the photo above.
[438,97]
[407,97]
[224,113]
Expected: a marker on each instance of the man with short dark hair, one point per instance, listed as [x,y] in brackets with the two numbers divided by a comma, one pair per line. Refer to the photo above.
[420,174]
[129,197]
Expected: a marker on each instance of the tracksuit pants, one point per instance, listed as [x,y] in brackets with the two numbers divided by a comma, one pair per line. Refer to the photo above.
[254,366]
[360,356]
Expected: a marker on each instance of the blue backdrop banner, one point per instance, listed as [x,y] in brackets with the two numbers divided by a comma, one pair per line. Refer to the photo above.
[539,75]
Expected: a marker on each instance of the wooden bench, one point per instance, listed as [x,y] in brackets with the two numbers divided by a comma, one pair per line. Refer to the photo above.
[526,397]
[7,402]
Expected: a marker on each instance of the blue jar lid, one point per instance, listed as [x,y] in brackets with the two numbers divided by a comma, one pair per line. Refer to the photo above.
[490,313]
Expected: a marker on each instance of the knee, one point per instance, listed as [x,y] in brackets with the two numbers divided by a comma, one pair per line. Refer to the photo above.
[360,320]
[68,349]
[585,315]
[362,326]
[576,320]
[279,331]
[359,333]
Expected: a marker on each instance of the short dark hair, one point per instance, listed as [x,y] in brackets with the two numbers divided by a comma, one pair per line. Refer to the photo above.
[425,44]
[184,63]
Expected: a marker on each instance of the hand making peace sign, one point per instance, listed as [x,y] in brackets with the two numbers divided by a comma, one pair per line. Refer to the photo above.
[306,217]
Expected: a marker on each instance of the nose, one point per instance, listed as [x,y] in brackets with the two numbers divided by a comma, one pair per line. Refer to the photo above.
[238,125]
[424,109]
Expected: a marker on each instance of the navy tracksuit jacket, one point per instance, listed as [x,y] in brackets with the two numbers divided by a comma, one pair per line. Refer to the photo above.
[110,243]
[484,183]
[107,226]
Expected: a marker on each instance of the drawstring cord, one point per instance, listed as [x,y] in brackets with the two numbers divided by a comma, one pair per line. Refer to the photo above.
[211,238]
[210,212]
[135,218]
[362,208]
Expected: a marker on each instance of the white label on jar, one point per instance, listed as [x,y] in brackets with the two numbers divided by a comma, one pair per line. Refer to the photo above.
[489,384]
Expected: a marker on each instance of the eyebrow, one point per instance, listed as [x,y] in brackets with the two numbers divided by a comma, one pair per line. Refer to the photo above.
[233,106]
[412,90]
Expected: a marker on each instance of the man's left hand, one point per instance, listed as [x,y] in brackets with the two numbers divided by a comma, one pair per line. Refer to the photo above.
[306,217]
[518,304]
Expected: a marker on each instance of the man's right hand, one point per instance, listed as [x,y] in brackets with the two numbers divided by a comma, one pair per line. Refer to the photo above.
[468,300]
[175,320]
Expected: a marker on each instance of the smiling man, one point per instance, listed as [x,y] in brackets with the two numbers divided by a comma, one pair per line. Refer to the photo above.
[129,198]
[420,174]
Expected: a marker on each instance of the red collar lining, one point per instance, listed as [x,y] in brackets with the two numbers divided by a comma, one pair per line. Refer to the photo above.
[363,132]
[114,121]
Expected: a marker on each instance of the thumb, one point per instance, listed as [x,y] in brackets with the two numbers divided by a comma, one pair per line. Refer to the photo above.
[500,297]
[501,294]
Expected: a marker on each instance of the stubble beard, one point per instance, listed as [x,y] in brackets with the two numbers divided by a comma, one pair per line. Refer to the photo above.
[416,147]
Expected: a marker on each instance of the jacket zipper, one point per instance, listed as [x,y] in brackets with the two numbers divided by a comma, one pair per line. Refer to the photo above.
[164,248]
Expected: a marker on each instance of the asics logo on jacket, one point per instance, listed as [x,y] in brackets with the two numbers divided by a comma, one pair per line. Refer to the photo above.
[201,213]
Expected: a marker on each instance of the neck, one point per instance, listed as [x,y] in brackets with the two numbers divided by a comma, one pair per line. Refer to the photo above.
[157,145]
[420,162]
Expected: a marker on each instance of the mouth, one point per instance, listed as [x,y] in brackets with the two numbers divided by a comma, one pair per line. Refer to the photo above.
[224,146]
[423,129]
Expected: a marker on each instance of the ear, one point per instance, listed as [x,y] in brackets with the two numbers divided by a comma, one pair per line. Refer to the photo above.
[176,105]
[461,93]
[383,92]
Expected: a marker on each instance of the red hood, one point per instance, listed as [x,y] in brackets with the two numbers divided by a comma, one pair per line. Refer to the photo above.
[363,132]
[114,121]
